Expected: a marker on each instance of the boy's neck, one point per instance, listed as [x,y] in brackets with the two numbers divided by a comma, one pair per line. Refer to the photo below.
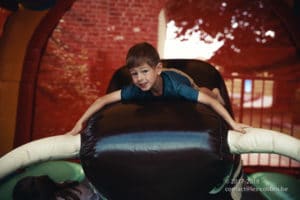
[157,88]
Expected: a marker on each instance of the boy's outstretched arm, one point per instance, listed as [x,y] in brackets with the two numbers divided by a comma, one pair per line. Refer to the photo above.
[206,99]
[94,107]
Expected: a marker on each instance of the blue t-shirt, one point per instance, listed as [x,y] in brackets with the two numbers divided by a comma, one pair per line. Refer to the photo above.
[175,86]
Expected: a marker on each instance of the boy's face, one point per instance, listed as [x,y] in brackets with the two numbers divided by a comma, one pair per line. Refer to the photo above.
[145,76]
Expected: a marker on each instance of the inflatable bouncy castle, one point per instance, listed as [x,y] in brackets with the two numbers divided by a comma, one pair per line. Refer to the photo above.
[161,149]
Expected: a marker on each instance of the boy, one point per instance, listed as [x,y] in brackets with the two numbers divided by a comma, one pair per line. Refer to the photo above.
[150,81]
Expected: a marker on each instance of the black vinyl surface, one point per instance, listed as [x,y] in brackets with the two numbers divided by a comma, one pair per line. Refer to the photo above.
[161,149]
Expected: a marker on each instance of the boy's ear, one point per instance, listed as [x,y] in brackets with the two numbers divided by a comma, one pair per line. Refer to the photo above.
[159,67]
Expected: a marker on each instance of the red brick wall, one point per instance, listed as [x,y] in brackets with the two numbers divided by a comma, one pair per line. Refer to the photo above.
[88,44]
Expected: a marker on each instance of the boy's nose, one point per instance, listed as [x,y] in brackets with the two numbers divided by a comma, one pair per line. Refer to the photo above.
[139,77]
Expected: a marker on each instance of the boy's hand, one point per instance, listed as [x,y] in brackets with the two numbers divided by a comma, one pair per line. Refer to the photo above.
[77,129]
[240,127]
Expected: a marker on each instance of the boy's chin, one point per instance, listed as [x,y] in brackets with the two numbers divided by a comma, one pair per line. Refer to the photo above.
[145,89]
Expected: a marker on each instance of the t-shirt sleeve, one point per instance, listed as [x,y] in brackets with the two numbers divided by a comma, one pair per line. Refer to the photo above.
[131,92]
[187,92]
[127,93]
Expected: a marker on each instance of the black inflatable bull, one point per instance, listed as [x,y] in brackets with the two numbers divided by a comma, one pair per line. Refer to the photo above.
[160,149]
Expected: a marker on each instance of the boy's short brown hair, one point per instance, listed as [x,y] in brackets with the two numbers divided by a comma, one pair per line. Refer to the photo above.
[140,54]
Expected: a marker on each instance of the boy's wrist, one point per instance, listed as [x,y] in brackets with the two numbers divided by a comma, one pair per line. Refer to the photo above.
[80,121]
[233,124]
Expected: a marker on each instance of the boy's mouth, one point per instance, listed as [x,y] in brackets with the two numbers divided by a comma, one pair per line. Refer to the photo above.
[143,85]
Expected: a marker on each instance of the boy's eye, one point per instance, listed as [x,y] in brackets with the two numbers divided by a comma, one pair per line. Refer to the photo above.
[133,73]
[144,71]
